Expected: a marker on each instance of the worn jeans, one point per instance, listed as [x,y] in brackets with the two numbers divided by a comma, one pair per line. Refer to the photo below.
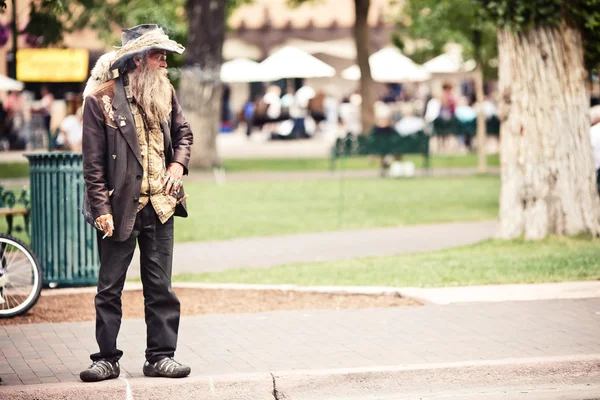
[161,305]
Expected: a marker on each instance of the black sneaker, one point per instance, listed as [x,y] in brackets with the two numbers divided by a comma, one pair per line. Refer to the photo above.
[101,370]
[167,368]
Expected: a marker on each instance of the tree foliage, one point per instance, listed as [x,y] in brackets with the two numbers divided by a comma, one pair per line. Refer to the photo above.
[431,24]
[522,15]
[49,20]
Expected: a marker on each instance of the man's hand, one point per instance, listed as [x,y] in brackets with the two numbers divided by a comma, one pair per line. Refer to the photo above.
[105,224]
[173,178]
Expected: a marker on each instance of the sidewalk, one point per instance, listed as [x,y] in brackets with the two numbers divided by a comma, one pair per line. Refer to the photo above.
[288,350]
[264,252]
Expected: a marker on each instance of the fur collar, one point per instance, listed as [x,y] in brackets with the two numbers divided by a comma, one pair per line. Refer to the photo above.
[100,74]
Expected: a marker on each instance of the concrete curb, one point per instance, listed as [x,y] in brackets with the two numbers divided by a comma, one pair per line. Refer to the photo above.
[366,290]
[447,295]
[356,383]
[430,380]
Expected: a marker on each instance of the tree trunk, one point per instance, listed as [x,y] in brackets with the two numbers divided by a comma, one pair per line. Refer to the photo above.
[361,37]
[200,85]
[481,133]
[548,184]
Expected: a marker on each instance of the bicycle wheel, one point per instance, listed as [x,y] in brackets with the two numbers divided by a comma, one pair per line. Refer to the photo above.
[20,277]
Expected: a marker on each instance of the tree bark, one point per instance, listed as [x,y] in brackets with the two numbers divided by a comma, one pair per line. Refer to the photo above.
[200,85]
[548,183]
[481,133]
[361,37]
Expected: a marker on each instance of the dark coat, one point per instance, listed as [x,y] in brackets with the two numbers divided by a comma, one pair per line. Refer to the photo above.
[112,162]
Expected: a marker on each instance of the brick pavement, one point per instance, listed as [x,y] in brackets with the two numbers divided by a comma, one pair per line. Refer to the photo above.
[316,340]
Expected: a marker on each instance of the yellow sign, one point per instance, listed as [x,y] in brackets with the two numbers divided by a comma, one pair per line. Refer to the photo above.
[52,65]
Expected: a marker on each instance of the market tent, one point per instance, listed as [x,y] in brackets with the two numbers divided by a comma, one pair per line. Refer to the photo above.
[390,65]
[241,70]
[342,48]
[449,63]
[291,62]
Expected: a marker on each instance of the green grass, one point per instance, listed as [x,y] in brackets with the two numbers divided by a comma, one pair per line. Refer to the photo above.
[243,209]
[14,170]
[21,169]
[490,262]
[351,163]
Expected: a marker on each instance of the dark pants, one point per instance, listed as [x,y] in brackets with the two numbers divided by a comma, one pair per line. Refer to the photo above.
[161,305]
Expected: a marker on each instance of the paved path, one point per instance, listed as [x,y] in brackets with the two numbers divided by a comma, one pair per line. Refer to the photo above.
[294,342]
[262,252]
[238,146]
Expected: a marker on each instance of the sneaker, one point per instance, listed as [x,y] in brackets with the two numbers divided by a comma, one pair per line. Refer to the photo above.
[167,367]
[101,370]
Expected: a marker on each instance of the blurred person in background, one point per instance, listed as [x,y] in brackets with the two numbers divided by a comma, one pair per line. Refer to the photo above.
[349,112]
[316,106]
[3,114]
[447,102]
[248,112]
[489,108]
[136,149]
[467,115]
[272,101]
[410,124]
[71,132]
[14,107]
[330,110]
[595,137]
[383,129]
[45,107]
[304,123]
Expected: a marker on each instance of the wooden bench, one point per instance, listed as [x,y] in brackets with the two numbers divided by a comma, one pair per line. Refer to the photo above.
[8,201]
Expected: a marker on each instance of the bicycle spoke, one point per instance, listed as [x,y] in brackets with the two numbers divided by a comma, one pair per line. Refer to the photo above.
[12,286]
[18,263]
[22,265]
[22,277]
[12,301]
[20,280]
[8,257]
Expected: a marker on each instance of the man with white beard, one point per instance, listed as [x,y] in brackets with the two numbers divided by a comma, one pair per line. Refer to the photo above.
[136,148]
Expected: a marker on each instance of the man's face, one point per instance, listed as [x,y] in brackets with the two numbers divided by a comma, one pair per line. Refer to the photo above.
[157,59]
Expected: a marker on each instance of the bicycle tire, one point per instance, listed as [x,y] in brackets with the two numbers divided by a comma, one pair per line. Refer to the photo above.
[32,299]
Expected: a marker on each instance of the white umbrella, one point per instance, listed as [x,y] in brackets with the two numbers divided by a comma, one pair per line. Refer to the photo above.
[448,63]
[7,83]
[241,70]
[340,48]
[390,65]
[290,62]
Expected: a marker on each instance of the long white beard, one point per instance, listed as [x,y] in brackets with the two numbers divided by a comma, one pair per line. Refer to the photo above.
[152,90]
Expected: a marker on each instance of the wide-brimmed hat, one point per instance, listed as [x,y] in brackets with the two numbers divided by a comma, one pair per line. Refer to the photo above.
[143,38]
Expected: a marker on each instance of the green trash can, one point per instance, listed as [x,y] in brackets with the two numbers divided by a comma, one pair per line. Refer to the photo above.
[64,243]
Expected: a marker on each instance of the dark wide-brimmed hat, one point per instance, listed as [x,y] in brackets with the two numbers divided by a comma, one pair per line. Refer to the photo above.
[143,38]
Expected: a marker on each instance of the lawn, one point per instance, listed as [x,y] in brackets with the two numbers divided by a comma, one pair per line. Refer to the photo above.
[21,169]
[490,262]
[243,209]
[14,170]
[353,163]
